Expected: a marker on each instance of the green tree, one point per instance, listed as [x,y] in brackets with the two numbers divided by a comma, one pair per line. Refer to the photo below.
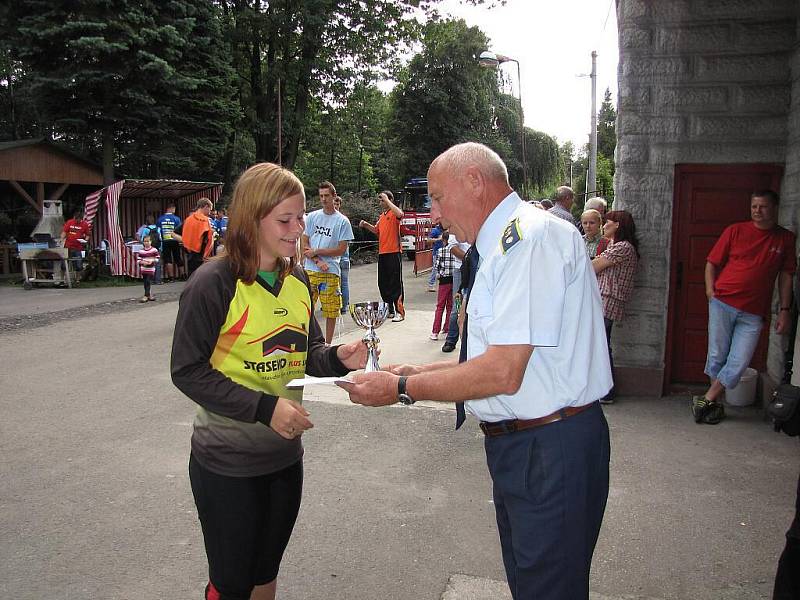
[195,133]
[345,143]
[607,128]
[444,96]
[98,69]
[293,52]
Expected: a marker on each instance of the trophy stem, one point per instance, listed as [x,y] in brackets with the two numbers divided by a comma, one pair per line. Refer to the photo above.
[371,340]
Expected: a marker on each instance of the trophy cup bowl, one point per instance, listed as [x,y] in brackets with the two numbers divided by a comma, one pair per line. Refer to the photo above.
[370,316]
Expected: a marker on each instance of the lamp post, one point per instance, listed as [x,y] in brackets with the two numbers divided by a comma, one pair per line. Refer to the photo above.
[591,174]
[491,60]
[591,184]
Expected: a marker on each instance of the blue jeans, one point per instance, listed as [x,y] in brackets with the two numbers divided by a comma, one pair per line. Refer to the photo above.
[452,328]
[344,283]
[432,278]
[732,339]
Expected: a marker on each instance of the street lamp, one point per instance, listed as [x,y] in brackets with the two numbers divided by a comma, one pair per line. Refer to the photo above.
[591,176]
[491,60]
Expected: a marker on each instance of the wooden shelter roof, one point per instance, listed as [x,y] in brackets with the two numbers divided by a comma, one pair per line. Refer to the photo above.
[43,161]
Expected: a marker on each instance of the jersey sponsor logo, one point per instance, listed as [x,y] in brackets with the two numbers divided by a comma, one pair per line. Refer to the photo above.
[280,312]
[270,366]
[283,340]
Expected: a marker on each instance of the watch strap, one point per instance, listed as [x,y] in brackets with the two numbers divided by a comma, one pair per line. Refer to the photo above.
[401,385]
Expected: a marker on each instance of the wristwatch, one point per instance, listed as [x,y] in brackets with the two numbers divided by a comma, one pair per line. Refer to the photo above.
[402,396]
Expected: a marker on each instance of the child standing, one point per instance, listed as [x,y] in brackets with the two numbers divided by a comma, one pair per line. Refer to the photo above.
[148,259]
[444,299]
[592,223]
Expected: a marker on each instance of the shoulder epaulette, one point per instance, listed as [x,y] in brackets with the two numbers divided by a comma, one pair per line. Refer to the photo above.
[511,235]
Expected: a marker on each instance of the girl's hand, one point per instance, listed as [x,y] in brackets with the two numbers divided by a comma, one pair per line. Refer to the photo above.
[353,355]
[403,369]
[289,420]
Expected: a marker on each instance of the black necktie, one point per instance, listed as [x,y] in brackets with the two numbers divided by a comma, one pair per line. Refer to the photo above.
[471,258]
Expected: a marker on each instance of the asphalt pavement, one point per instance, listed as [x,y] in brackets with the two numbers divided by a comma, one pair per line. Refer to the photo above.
[95,500]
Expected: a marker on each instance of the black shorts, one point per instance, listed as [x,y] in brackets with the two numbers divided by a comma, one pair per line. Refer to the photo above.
[247,522]
[171,252]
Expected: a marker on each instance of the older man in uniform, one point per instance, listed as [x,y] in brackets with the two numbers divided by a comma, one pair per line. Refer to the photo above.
[536,366]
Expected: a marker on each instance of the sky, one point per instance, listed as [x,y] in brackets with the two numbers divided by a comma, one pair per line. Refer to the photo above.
[553,42]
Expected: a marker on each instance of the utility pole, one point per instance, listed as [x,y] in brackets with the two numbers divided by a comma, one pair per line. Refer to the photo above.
[591,180]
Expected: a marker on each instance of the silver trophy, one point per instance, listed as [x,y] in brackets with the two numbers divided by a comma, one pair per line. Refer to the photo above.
[370,316]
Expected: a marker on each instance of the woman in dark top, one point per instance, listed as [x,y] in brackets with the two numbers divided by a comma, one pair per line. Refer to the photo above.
[244,329]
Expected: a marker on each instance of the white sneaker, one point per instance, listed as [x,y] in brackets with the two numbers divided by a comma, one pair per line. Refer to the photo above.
[397,318]
[434,336]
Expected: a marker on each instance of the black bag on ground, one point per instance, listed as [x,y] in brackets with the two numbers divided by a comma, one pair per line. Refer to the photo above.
[784,406]
[784,409]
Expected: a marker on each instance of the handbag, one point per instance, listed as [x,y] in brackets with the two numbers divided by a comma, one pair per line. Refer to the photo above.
[784,406]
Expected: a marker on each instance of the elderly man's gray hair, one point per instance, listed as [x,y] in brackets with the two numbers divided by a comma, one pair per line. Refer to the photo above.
[457,158]
[564,192]
[598,204]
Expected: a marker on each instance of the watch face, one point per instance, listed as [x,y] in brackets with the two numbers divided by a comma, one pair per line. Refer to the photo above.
[405,399]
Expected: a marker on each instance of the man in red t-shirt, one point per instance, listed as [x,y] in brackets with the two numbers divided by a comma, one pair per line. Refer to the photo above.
[74,236]
[740,277]
[390,258]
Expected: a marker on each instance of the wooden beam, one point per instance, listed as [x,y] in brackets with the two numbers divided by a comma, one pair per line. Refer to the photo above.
[40,195]
[21,191]
[57,194]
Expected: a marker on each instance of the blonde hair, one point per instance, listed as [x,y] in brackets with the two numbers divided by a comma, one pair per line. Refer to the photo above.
[258,190]
[593,213]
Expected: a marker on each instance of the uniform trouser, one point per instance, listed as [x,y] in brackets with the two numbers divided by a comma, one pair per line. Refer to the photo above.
[452,329]
[787,579]
[550,491]
[390,280]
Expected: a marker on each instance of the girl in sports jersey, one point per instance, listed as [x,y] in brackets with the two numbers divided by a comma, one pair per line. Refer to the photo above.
[244,329]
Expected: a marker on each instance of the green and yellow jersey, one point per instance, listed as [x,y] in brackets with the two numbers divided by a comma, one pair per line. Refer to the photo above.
[235,347]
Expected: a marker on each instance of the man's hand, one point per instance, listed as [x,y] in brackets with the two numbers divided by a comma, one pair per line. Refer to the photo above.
[289,419]
[783,321]
[353,355]
[378,388]
[309,253]
[361,223]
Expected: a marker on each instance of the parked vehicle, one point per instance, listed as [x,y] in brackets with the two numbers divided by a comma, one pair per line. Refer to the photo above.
[416,222]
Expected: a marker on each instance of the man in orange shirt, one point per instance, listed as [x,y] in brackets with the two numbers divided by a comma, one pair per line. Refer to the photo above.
[197,235]
[390,265]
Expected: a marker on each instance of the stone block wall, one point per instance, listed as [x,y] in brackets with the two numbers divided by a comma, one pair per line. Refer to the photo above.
[700,81]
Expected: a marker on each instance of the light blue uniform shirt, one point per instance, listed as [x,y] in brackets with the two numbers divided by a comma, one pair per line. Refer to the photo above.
[536,286]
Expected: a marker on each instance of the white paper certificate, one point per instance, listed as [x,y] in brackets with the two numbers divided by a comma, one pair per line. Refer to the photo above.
[296,383]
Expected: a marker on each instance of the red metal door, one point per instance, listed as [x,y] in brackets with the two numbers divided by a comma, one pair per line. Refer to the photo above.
[707,199]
